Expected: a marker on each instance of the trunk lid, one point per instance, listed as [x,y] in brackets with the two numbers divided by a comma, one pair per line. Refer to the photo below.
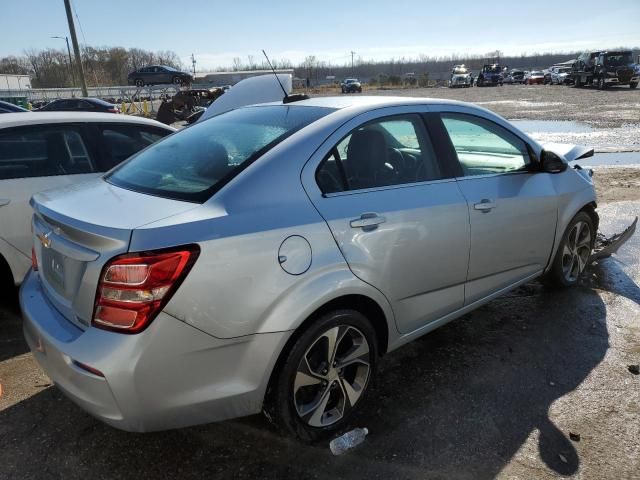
[76,230]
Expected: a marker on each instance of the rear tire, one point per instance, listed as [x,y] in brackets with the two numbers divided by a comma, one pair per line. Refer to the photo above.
[311,396]
[633,85]
[573,253]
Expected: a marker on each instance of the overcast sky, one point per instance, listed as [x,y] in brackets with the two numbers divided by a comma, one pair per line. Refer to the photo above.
[217,31]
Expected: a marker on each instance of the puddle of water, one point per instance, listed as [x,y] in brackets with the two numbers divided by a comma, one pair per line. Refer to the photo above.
[622,139]
[552,126]
[611,160]
[521,103]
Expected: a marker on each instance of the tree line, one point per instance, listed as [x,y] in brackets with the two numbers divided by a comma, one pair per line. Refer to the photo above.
[103,66]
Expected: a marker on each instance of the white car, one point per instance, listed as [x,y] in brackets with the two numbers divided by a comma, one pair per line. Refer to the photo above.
[560,75]
[45,150]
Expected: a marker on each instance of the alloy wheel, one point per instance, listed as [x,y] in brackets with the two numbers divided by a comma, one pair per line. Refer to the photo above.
[576,251]
[332,376]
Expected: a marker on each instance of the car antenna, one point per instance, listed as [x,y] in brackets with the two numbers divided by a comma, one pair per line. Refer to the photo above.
[287,98]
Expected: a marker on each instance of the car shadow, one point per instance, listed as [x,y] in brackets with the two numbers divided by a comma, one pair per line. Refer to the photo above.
[609,275]
[459,402]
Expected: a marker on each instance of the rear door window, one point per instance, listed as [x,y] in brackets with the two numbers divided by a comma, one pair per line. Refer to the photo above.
[84,105]
[44,150]
[389,151]
[119,142]
[197,161]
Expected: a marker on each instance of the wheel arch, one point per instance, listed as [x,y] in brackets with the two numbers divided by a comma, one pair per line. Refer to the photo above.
[6,274]
[364,304]
[588,207]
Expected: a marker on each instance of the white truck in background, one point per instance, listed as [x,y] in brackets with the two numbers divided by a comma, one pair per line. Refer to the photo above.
[14,82]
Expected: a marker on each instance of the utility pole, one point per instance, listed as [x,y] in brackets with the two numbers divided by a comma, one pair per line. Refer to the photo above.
[76,48]
[193,62]
[73,77]
[352,54]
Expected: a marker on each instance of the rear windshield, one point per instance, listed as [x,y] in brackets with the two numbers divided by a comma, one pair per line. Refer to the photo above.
[196,162]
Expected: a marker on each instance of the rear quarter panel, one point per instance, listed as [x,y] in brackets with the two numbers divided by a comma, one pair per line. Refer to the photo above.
[237,286]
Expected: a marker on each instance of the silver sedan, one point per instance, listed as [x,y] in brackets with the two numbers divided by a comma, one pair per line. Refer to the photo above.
[266,258]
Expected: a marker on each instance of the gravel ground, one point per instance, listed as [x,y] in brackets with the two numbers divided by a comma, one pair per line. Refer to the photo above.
[613,107]
[533,385]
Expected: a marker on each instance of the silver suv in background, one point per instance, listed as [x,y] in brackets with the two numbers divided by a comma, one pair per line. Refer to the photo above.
[264,259]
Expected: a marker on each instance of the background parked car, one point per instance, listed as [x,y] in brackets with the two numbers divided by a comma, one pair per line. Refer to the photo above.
[351,85]
[561,75]
[84,104]
[159,74]
[40,151]
[6,107]
[491,74]
[535,77]
[460,77]
[515,76]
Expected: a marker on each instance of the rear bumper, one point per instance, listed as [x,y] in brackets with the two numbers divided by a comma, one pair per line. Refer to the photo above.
[169,376]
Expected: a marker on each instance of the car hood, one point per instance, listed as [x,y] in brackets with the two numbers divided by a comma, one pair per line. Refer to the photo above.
[250,91]
[569,152]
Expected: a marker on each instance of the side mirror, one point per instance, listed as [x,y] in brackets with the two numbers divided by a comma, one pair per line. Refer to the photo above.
[552,163]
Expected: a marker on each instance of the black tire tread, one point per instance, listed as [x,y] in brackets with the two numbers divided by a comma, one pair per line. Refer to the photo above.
[278,405]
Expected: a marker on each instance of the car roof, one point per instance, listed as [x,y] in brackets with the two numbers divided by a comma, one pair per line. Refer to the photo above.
[368,101]
[89,99]
[36,118]
[13,107]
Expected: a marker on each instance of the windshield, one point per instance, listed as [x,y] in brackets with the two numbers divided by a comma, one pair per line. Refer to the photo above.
[351,80]
[460,70]
[171,69]
[618,59]
[536,74]
[492,68]
[196,162]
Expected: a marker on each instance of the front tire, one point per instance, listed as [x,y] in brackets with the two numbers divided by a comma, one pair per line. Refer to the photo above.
[633,85]
[324,376]
[573,252]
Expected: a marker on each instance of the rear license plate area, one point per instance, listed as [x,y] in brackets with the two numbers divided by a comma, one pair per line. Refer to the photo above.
[53,266]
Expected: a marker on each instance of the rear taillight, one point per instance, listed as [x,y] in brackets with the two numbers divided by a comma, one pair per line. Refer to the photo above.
[34,259]
[113,110]
[135,287]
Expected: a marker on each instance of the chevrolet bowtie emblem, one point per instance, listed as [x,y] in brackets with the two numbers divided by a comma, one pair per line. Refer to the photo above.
[44,239]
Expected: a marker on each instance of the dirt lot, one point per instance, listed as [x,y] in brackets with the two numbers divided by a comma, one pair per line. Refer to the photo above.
[613,107]
[500,392]
[617,184]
